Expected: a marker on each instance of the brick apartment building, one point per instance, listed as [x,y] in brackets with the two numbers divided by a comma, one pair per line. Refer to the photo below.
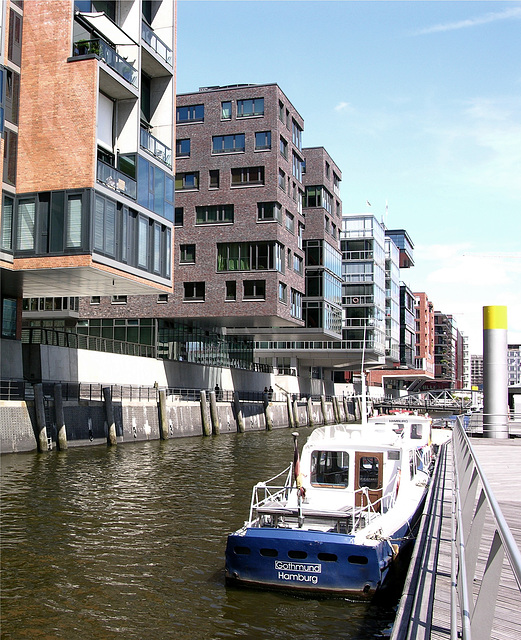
[87,167]
[256,252]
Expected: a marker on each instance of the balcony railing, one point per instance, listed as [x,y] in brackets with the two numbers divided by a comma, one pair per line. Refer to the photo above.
[156,43]
[114,179]
[155,147]
[109,55]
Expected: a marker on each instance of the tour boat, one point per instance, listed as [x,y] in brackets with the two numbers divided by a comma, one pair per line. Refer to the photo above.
[337,517]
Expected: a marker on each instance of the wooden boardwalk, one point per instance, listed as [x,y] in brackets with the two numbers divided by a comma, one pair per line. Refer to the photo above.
[426,602]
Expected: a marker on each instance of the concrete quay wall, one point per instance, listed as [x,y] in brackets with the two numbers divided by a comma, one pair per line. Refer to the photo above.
[26,427]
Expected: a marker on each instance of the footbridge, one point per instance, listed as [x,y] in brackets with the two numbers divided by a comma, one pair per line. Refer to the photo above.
[451,400]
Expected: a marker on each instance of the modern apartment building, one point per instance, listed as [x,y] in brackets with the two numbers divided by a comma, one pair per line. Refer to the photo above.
[476,371]
[256,254]
[88,172]
[424,358]
[448,351]
[514,364]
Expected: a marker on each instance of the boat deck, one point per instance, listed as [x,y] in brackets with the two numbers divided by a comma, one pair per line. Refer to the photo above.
[427,594]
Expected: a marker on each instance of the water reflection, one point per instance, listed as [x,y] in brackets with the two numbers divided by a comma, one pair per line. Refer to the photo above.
[101,542]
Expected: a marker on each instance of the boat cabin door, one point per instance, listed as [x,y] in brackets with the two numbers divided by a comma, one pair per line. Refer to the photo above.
[368,473]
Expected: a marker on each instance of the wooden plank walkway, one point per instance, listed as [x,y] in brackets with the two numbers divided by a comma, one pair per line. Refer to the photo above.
[426,602]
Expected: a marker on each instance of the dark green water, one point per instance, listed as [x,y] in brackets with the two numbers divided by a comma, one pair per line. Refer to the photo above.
[129,542]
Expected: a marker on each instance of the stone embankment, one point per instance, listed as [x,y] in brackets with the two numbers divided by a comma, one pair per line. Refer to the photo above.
[51,421]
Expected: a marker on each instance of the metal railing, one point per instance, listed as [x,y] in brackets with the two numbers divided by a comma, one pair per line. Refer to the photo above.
[117,180]
[155,147]
[155,43]
[472,616]
[109,55]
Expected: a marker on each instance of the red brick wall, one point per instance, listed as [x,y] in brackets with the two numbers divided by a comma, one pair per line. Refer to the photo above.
[58,103]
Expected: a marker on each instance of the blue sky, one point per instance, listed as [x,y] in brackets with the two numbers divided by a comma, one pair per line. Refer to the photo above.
[419,104]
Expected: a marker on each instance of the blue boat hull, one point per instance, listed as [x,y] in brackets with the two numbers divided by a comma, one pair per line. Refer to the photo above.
[301,560]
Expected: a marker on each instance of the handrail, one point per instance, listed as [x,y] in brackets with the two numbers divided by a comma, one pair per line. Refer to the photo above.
[468,518]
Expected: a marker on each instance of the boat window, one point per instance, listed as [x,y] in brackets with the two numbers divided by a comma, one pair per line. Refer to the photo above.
[330,468]
[327,557]
[369,472]
[297,555]
[398,429]
[411,464]
[269,553]
[416,431]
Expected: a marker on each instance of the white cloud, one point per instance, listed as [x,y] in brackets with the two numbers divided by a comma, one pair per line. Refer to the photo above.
[343,106]
[487,18]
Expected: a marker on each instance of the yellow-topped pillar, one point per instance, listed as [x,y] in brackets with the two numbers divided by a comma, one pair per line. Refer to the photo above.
[495,372]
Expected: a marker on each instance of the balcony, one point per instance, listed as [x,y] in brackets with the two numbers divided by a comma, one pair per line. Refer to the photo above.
[107,54]
[155,147]
[155,43]
[116,180]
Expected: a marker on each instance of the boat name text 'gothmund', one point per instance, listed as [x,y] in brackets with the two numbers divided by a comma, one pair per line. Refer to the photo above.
[294,566]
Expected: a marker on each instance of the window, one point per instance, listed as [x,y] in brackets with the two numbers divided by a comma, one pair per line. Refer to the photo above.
[297,167]
[297,135]
[298,264]
[95,299]
[296,304]
[10,156]
[118,300]
[193,113]
[194,291]
[182,148]
[187,253]
[74,221]
[249,108]
[283,293]
[157,248]
[231,290]
[247,176]
[330,468]
[269,211]
[155,189]
[368,477]
[178,217]
[228,144]
[262,140]
[187,181]
[318,197]
[290,222]
[214,178]
[336,183]
[25,224]
[226,110]
[249,256]
[8,318]
[14,47]
[142,245]
[254,289]
[105,226]
[281,111]
[282,180]
[12,95]
[213,214]
[7,223]
[162,298]
[328,170]
[283,148]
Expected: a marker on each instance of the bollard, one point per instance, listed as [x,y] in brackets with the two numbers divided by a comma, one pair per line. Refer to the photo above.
[495,372]
[267,412]
[295,414]
[163,419]
[109,413]
[41,426]
[311,419]
[238,412]
[214,415]
[291,422]
[60,418]
[204,415]
[324,411]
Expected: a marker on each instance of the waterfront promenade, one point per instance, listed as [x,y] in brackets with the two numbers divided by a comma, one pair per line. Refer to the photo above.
[425,610]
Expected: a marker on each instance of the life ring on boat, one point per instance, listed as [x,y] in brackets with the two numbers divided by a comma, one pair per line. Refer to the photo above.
[398,477]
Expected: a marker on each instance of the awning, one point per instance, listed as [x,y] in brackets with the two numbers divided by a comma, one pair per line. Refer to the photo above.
[106,28]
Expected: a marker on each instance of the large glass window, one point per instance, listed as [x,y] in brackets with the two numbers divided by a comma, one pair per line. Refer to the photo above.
[254,289]
[74,206]
[269,211]
[8,318]
[25,226]
[155,189]
[249,256]
[330,468]
[192,113]
[105,225]
[194,291]
[226,110]
[248,108]
[221,213]
[297,135]
[182,148]
[142,249]
[187,253]
[247,175]
[7,223]
[228,144]
[187,181]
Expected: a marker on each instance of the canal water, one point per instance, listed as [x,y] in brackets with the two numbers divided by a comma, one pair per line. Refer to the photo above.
[128,542]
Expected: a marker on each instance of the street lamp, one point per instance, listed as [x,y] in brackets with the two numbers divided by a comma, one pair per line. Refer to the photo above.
[368,322]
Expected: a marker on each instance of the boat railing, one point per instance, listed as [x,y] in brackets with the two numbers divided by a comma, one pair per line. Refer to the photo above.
[471,543]
[265,492]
